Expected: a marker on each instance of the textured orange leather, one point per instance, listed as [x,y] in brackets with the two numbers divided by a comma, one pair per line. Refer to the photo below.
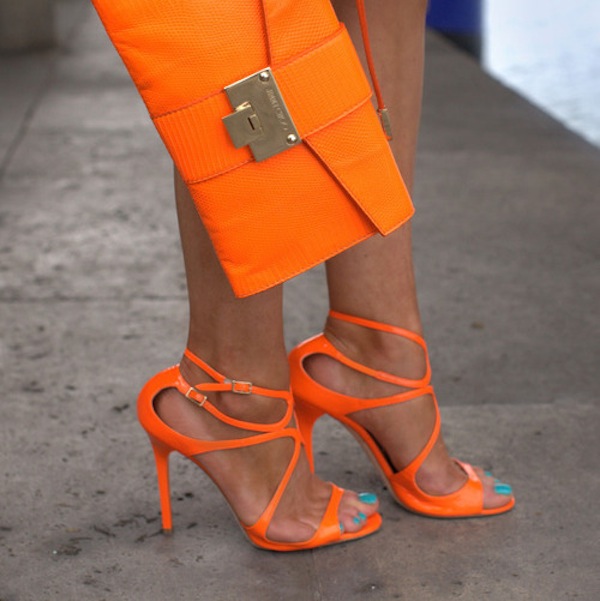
[342,89]
[314,400]
[268,220]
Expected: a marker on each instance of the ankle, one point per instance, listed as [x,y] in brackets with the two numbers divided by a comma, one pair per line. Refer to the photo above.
[376,349]
[246,407]
[263,367]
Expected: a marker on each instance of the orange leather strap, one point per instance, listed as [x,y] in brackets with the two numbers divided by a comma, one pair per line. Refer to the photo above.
[319,87]
[362,17]
[222,384]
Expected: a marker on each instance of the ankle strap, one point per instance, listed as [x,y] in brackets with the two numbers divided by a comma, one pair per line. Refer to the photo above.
[224,384]
[382,327]
[195,393]
[416,384]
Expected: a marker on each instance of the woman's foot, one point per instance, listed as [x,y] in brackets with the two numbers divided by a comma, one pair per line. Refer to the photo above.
[402,429]
[248,477]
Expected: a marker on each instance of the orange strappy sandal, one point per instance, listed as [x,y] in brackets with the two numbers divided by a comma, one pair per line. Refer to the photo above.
[313,400]
[165,440]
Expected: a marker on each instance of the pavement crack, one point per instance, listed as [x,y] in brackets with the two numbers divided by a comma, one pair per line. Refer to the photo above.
[318,589]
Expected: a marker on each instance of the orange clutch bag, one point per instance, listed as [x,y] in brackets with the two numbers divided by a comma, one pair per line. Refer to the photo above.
[266,112]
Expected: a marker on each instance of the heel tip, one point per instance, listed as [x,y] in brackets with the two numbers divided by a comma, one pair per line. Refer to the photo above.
[167,531]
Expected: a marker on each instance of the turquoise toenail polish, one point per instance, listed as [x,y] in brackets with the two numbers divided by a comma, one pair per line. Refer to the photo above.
[502,489]
[488,474]
[342,528]
[362,516]
[368,497]
[357,520]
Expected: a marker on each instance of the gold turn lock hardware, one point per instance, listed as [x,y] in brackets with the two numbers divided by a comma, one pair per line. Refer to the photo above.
[243,125]
[260,118]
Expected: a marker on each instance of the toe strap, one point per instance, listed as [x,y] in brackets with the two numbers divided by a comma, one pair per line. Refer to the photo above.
[329,529]
[327,533]
[470,496]
[466,501]
[330,532]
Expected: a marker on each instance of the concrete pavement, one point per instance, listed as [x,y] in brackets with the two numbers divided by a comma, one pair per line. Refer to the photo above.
[92,302]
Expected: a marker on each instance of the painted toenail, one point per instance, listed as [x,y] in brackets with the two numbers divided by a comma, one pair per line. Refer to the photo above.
[502,489]
[368,497]
[356,520]
[488,474]
[342,528]
[362,516]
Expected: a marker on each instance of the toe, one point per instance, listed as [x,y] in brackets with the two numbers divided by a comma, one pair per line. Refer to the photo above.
[352,520]
[355,509]
[495,493]
[365,503]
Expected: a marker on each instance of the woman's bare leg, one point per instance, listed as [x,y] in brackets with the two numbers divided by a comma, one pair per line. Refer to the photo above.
[243,339]
[375,279]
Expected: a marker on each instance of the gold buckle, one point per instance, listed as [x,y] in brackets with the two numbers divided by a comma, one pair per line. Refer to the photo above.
[260,118]
[195,400]
[240,386]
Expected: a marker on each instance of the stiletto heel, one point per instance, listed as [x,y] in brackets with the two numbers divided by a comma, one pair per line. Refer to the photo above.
[313,400]
[165,440]
[306,416]
[161,457]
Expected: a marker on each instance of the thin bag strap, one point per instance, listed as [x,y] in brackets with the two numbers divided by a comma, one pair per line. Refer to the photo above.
[381,108]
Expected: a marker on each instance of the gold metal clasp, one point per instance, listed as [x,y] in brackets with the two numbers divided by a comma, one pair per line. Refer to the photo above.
[239,386]
[192,394]
[386,122]
[260,118]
